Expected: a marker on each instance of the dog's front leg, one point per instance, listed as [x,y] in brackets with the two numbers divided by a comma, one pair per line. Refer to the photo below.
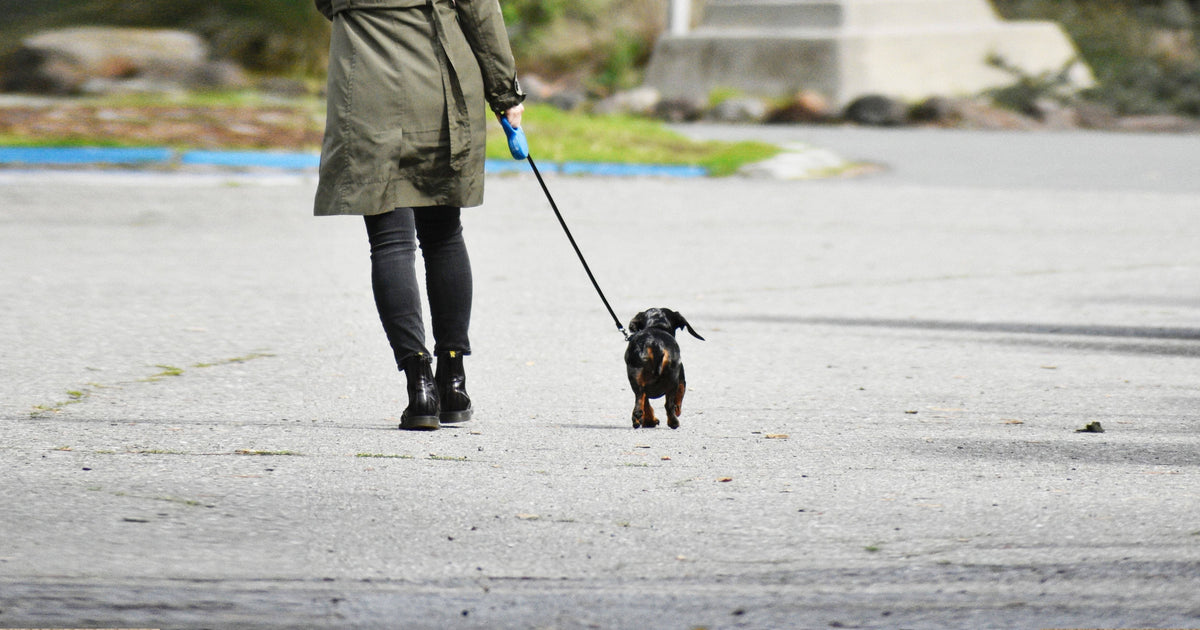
[643,413]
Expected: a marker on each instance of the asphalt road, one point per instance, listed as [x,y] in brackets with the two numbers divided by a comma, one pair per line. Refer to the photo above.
[1058,160]
[198,410]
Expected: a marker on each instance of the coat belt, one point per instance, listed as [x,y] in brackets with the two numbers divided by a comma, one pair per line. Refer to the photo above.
[442,16]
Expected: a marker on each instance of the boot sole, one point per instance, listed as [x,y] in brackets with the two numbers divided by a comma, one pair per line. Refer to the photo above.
[419,423]
[453,417]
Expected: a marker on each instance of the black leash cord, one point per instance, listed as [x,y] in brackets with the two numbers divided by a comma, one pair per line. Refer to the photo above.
[578,253]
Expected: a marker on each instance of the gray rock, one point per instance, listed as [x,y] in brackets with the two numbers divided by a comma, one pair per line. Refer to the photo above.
[229,75]
[567,100]
[564,94]
[1093,115]
[983,114]
[877,110]
[937,110]
[72,60]
[536,89]
[1164,123]
[99,86]
[970,114]
[1054,114]
[806,106]
[641,101]
[683,109]
[740,110]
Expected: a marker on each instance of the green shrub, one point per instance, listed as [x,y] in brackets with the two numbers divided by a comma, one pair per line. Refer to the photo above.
[1144,53]
[621,63]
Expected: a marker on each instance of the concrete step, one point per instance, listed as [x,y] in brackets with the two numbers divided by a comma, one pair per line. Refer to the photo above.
[911,63]
[844,14]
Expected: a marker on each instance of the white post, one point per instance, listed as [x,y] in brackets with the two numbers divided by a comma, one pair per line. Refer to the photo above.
[679,17]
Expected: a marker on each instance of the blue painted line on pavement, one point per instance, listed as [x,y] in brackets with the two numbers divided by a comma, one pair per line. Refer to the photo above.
[82,155]
[68,156]
[500,167]
[631,170]
[251,159]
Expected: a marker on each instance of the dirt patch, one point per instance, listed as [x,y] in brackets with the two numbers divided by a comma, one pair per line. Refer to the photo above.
[191,126]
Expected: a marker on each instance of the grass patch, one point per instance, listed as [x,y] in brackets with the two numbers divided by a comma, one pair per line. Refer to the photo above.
[74,397]
[558,136]
[243,451]
[167,370]
[382,456]
[555,136]
[209,98]
[242,359]
[447,458]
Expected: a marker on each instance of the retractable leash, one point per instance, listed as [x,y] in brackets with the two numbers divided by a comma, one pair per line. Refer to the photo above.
[519,147]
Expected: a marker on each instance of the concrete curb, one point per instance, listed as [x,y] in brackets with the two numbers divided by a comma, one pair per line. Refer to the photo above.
[800,160]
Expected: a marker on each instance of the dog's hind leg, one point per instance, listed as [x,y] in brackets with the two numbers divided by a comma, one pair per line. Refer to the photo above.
[675,401]
[673,407]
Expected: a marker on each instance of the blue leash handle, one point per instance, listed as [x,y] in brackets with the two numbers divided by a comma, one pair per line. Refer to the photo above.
[517,144]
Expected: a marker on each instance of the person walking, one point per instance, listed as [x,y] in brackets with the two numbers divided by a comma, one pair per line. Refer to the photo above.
[404,148]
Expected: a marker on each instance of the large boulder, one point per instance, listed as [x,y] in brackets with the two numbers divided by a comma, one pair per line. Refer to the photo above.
[101,59]
[638,102]
[877,110]
[740,109]
[805,107]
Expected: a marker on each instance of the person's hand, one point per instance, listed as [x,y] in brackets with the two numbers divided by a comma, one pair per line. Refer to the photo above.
[514,115]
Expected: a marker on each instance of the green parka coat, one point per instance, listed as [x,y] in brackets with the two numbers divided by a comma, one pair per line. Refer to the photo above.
[406,122]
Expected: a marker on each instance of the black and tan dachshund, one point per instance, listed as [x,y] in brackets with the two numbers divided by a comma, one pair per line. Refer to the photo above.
[653,364]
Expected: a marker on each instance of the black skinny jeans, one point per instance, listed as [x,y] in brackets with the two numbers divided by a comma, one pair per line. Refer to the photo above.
[394,238]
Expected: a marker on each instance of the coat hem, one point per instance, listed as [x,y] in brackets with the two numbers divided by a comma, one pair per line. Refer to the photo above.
[392,194]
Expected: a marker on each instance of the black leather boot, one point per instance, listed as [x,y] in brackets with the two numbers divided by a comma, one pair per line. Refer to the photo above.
[452,387]
[422,411]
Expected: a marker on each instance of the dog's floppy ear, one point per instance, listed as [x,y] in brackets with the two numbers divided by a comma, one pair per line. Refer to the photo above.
[678,321]
[638,322]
